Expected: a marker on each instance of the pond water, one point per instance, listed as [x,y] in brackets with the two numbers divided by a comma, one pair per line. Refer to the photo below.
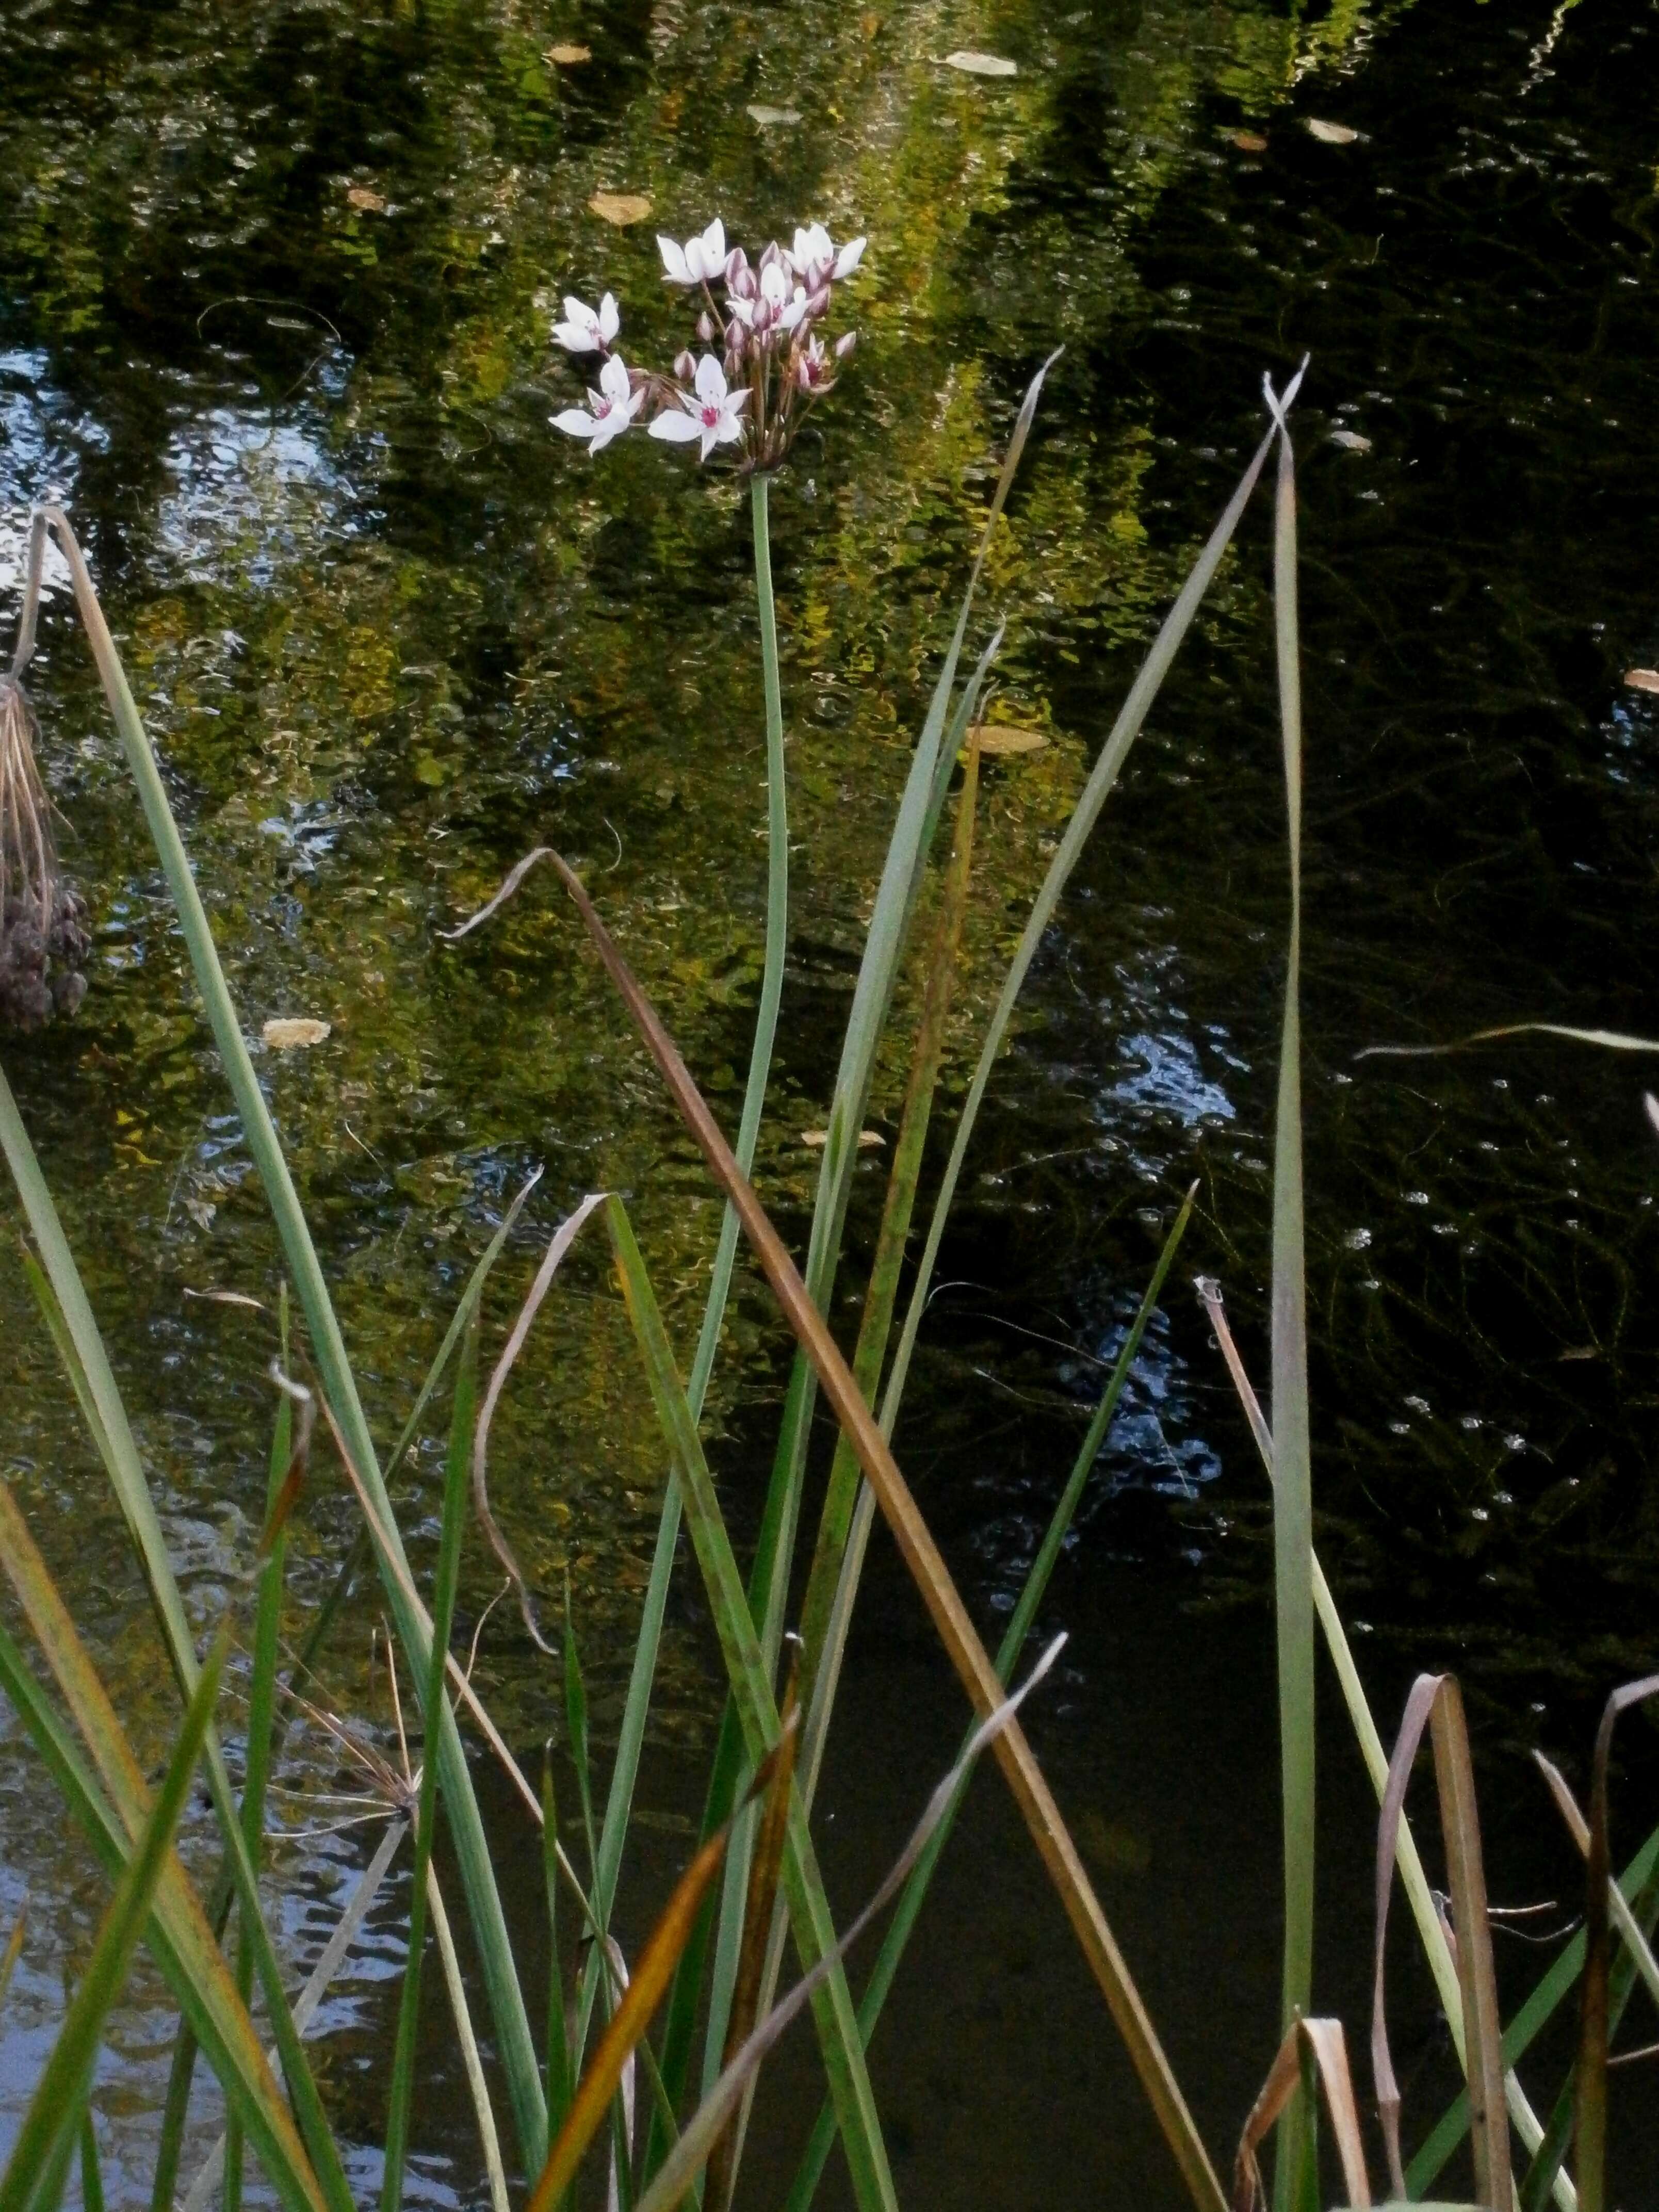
[275,289]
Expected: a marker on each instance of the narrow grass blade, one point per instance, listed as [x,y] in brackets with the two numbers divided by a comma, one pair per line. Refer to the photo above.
[443,1613]
[53,2119]
[1608,1040]
[328,1347]
[111,1808]
[471,2060]
[1103,778]
[765,1869]
[93,1377]
[1020,1625]
[1434,1698]
[633,2016]
[575,1721]
[1459,1820]
[92,2171]
[1323,2042]
[330,1960]
[1620,1914]
[1544,2172]
[1590,2122]
[286,1465]
[1430,1926]
[1295,2174]
[843,2053]
[680,2170]
[881,1297]
[561,2083]
[928,1568]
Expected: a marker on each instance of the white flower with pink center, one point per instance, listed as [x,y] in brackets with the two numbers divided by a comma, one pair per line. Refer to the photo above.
[711,412]
[701,260]
[588,330]
[614,406]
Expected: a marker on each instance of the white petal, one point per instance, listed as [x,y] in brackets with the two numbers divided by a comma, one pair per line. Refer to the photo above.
[737,401]
[850,258]
[673,261]
[609,317]
[609,426]
[613,380]
[742,309]
[635,400]
[713,246]
[574,423]
[708,437]
[796,309]
[728,429]
[711,380]
[678,429]
[773,284]
[577,311]
[573,337]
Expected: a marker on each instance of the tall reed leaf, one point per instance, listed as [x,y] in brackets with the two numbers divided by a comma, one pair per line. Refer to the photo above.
[489,1927]
[921,1556]
[52,2126]
[112,1804]
[1296,2179]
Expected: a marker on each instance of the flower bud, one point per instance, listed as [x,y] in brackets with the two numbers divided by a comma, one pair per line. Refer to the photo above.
[706,328]
[817,304]
[686,366]
[736,268]
[845,344]
[765,315]
[773,256]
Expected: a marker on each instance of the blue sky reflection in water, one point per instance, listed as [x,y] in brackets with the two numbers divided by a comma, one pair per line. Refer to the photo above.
[274,300]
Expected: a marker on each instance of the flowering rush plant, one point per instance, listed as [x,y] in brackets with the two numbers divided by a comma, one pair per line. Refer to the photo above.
[767,356]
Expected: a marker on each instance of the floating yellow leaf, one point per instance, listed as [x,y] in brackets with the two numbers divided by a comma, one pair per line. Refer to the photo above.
[620,208]
[288,1032]
[981,64]
[997,739]
[1352,441]
[818,1138]
[568,57]
[1331,134]
[1641,679]
[360,197]
[1249,141]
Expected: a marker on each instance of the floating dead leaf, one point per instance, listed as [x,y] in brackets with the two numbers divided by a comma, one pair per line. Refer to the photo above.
[1249,141]
[1351,442]
[1641,679]
[768,118]
[291,1032]
[371,203]
[981,64]
[818,1138]
[570,57]
[1330,134]
[998,739]
[620,208]
[1581,1351]
[226,1298]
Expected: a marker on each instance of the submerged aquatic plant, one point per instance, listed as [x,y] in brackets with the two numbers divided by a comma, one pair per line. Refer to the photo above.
[766,360]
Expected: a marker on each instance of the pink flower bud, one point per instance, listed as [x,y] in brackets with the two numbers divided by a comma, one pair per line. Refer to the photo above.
[706,327]
[845,344]
[685,365]
[743,285]
[773,256]
[765,315]
[817,304]
[736,268]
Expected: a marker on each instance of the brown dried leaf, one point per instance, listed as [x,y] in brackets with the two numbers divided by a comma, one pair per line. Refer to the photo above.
[570,57]
[997,740]
[868,1138]
[1249,141]
[1641,679]
[371,203]
[288,1032]
[620,207]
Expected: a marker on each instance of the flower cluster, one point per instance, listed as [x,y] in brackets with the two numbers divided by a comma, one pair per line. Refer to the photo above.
[766,357]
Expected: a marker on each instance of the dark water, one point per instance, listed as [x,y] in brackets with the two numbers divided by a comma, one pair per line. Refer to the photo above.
[274,291]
